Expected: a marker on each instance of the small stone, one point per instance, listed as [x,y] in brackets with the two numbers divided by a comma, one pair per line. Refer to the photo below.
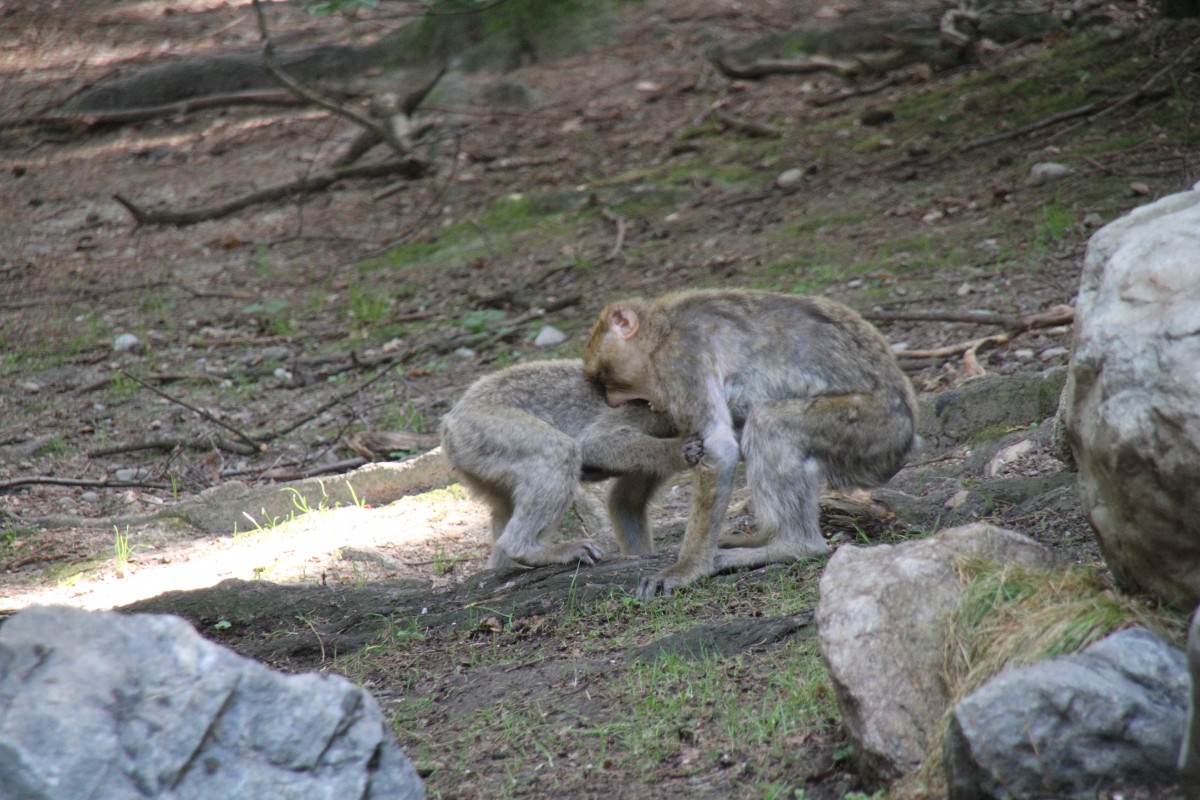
[959,498]
[1053,352]
[1024,354]
[275,353]
[126,342]
[1007,456]
[31,386]
[90,497]
[790,180]
[549,336]
[1140,189]
[1093,220]
[464,352]
[132,474]
[1047,172]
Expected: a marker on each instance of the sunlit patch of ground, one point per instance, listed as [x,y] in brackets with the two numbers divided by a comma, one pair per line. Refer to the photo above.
[440,536]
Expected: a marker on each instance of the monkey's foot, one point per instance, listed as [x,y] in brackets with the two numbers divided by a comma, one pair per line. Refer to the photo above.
[773,553]
[666,582]
[584,551]
[739,539]
[693,449]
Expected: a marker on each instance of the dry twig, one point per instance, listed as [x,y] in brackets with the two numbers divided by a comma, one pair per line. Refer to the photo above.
[619,221]
[245,439]
[83,120]
[799,66]
[1058,315]
[411,167]
[747,126]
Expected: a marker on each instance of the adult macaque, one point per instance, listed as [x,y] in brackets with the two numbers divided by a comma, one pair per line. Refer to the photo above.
[522,439]
[803,389]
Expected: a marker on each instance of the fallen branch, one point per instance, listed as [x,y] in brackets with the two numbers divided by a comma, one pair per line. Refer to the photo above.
[312,472]
[951,27]
[411,167]
[173,442]
[379,445]
[971,317]
[619,221]
[1093,111]
[388,109]
[799,66]
[258,447]
[384,132]
[341,398]
[1045,122]
[44,480]
[916,72]
[83,120]
[1144,91]
[747,126]
[1058,315]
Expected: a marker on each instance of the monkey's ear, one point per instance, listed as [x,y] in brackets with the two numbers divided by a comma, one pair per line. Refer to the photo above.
[623,321]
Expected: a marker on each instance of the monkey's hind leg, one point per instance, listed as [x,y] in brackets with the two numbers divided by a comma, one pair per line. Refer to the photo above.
[535,519]
[526,471]
[785,478]
[627,508]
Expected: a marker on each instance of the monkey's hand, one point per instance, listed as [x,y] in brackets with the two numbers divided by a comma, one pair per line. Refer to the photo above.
[693,449]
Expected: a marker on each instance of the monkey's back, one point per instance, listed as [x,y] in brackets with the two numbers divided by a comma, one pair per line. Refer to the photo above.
[774,346]
[552,391]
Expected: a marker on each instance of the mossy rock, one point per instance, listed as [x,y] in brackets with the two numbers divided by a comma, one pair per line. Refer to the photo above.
[986,408]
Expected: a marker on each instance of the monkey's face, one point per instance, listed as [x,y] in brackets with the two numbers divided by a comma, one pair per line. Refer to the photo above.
[615,358]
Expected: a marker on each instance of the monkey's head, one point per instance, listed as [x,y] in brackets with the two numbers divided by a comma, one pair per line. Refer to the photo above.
[616,356]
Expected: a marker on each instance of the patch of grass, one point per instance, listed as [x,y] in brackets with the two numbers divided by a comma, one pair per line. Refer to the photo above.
[54,446]
[1055,223]
[270,317]
[368,304]
[493,235]
[9,536]
[481,319]
[1011,615]
[122,386]
[121,551]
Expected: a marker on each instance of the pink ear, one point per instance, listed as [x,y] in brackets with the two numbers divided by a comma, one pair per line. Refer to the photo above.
[623,322]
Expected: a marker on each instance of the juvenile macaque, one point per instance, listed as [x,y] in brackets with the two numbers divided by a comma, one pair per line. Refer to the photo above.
[803,389]
[522,439]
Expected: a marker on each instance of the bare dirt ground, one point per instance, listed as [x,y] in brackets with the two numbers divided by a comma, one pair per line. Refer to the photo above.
[292,324]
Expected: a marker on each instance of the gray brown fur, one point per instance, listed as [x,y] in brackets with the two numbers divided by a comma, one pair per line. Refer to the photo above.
[803,389]
[522,439]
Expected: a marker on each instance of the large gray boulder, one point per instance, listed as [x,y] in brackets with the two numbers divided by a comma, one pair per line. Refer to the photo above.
[1189,754]
[882,622]
[99,704]
[1108,717]
[1130,404]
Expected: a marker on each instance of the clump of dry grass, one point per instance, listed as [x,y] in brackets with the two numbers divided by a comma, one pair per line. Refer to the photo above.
[1011,615]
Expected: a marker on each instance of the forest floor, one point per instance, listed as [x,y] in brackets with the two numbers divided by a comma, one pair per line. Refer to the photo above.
[267,339]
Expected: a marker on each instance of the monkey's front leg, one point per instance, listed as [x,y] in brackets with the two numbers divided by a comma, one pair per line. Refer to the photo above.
[712,484]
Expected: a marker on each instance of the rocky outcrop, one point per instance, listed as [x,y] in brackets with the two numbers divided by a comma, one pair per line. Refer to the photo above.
[118,706]
[1189,754]
[1130,403]
[1109,716]
[882,622]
